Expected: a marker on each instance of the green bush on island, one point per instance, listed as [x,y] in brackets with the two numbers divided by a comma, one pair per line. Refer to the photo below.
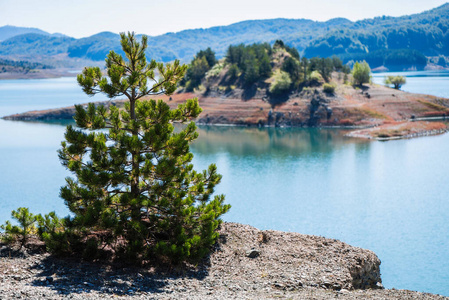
[281,83]
[361,73]
[329,88]
[203,61]
[396,81]
[215,70]
[293,68]
[315,77]
[233,73]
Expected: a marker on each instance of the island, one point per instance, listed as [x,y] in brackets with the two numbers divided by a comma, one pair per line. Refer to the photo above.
[372,111]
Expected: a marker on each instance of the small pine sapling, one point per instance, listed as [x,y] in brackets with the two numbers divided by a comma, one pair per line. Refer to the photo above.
[19,233]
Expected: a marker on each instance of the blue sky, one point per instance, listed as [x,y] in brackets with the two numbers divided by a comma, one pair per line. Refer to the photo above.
[80,18]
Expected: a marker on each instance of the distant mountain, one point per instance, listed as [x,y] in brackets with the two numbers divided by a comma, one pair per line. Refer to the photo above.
[7,32]
[185,44]
[34,44]
[413,36]
[95,47]
[181,45]
[426,32]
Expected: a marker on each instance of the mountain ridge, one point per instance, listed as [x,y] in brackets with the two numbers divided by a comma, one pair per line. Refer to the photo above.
[426,32]
[9,31]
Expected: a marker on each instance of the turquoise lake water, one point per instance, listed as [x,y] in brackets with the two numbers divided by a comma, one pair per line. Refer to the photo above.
[389,197]
[425,82]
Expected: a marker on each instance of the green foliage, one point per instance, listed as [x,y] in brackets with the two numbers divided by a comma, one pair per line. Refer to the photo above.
[281,83]
[425,33]
[215,70]
[324,66]
[57,237]
[251,72]
[315,77]
[21,232]
[396,81]
[233,73]
[209,55]
[346,69]
[305,67]
[7,65]
[253,61]
[337,63]
[361,73]
[279,44]
[135,188]
[196,72]
[329,88]
[200,65]
[292,67]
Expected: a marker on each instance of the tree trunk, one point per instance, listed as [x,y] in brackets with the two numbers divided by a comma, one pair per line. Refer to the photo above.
[135,210]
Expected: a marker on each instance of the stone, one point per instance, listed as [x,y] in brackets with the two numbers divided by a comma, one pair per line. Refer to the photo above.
[253,253]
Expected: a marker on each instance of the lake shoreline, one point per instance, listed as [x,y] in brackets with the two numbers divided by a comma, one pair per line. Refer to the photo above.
[40,74]
[373,112]
[245,263]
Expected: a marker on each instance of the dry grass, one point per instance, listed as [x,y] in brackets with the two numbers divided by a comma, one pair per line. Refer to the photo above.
[434,106]
[372,113]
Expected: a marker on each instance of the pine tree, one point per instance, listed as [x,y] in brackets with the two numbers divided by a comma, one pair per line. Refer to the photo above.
[21,232]
[135,188]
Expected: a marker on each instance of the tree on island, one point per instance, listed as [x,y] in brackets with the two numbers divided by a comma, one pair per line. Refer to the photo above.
[361,73]
[203,61]
[396,81]
[135,189]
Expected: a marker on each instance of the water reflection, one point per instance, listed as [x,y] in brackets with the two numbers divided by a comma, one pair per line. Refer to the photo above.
[388,197]
[278,142]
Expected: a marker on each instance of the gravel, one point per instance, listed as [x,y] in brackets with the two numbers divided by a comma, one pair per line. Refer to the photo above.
[247,263]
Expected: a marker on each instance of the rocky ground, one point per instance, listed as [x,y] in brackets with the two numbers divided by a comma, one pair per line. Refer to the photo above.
[402,130]
[246,264]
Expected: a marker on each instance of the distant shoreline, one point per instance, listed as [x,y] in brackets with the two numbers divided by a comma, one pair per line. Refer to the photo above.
[67,72]
[388,114]
[39,74]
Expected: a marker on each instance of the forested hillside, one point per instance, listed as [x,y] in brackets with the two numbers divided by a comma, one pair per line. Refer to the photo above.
[396,42]
[272,73]
[20,66]
[32,44]
[388,40]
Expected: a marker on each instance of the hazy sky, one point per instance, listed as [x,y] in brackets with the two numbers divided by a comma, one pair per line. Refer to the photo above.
[80,18]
